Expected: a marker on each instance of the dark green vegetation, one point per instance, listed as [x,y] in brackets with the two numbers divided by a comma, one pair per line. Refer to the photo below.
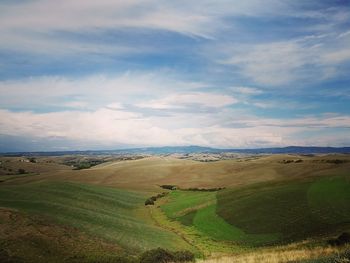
[266,213]
[152,199]
[198,209]
[162,256]
[168,186]
[343,257]
[341,240]
[86,164]
[290,211]
[104,212]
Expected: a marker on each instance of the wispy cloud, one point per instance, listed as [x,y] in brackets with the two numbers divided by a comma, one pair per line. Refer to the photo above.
[217,73]
[176,101]
[96,90]
[286,62]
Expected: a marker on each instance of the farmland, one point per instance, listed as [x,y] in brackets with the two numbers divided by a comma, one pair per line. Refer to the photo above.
[261,205]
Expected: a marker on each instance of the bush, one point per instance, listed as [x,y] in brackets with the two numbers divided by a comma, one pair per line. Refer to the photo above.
[168,186]
[158,255]
[101,259]
[152,199]
[341,240]
[161,255]
[161,195]
[183,256]
[344,238]
[21,171]
[6,258]
[149,201]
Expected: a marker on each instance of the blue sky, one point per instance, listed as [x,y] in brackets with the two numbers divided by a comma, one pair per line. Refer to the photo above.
[106,74]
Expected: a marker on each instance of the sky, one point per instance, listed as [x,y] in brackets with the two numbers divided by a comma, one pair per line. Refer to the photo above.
[106,74]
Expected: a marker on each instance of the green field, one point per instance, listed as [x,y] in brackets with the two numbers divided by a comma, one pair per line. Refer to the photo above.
[115,215]
[292,211]
[266,213]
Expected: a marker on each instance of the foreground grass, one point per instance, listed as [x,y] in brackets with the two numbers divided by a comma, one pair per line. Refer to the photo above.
[287,254]
[117,216]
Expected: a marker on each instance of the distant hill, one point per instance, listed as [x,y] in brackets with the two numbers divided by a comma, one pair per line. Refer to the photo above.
[193,149]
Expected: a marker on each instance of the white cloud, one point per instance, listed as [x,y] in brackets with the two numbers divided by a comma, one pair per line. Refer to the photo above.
[33,25]
[92,91]
[336,57]
[114,127]
[76,104]
[247,90]
[115,106]
[183,100]
[308,59]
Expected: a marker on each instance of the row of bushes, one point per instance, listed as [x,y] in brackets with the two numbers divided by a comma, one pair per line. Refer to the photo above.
[152,199]
[174,187]
[168,186]
[334,161]
[292,161]
[87,164]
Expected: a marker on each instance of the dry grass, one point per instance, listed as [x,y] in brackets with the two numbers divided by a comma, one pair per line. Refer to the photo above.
[278,255]
[146,174]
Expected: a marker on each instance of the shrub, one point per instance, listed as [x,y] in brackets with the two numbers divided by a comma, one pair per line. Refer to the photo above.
[21,171]
[32,160]
[152,199]
[183,256]
[158,255]
[149,201]
[344,238]
[168,186]
[161,255]
[161,195]
[6,258]
[341,240]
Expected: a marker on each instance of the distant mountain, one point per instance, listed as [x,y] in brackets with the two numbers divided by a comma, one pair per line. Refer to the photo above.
[295,150]
[194,149]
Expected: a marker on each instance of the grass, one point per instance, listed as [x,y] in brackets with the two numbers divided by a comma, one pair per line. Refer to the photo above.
[287,255]
[208,222]
[181,203]
[329,199]
[267,202]
[115,215]
[197,210]
[37,240]
[262,214]
[291,211]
